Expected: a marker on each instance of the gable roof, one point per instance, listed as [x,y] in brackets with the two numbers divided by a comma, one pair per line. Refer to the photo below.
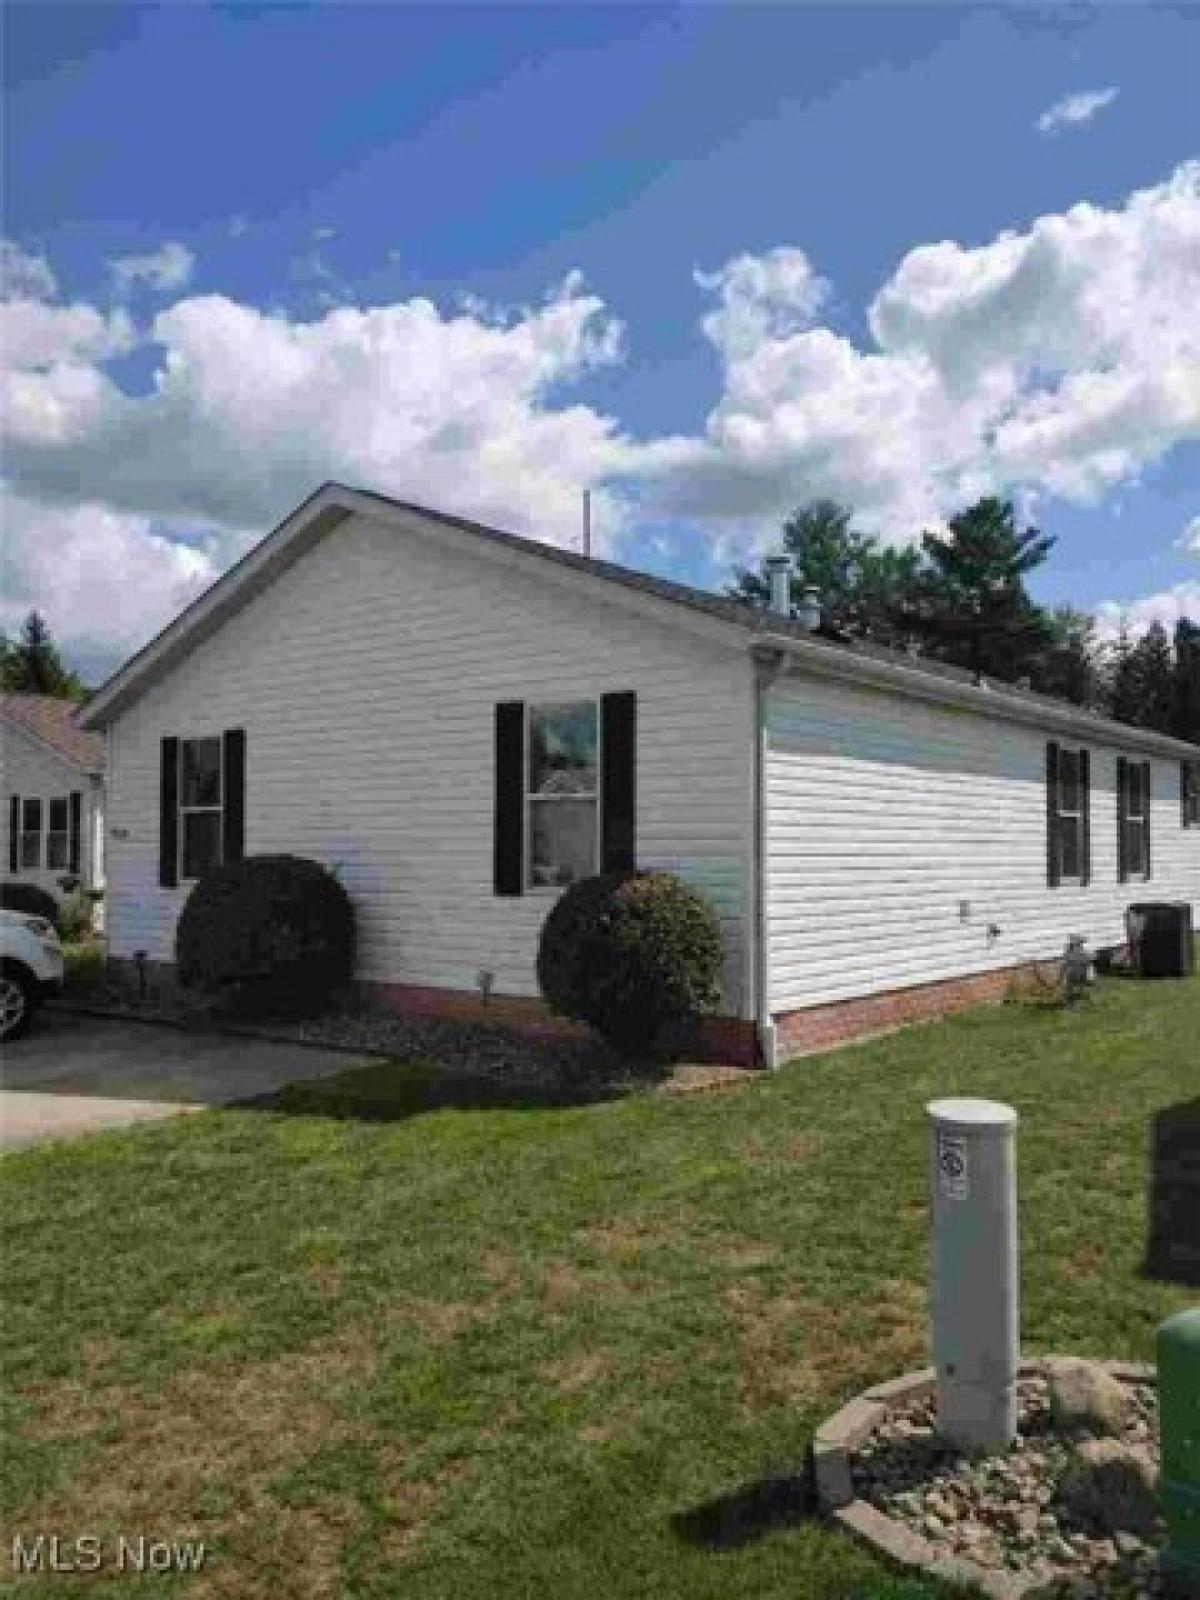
[740,621]
[53,722]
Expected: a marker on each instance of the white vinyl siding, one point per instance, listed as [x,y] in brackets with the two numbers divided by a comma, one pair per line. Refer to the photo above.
[885,814]
[31,770]
[366,677]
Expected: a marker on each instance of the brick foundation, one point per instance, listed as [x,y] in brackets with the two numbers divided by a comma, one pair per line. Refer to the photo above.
[818,1027]
[724,1039]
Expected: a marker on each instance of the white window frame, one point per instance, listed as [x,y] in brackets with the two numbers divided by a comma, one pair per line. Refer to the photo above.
[1140,820]
[182,810]
[59,833]
[31,833]
[1065,811]
[528,800]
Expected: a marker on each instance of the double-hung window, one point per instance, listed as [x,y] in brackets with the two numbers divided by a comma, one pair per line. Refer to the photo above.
[58,834]
[562,793]
[1133,818]
[31,835]
[1068,815]
[201,801]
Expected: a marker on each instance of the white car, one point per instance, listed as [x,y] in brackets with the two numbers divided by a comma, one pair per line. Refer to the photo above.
[31,966]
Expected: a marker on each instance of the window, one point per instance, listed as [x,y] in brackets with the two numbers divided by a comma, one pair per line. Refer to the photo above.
[58,835]
[1068,815]
[562,794]
[31,835]
[200,806]
[1189,792]
[1133,818]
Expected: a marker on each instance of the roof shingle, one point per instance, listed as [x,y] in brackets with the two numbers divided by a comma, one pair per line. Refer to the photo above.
[53,722]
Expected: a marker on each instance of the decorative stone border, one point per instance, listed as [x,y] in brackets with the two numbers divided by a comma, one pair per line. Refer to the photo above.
[836,1441]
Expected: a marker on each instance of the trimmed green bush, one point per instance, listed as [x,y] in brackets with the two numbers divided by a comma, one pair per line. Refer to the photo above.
[18,896]
[76,915]
[630,953]
[272,935]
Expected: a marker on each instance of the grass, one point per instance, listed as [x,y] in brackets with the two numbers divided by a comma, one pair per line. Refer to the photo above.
[369,1344]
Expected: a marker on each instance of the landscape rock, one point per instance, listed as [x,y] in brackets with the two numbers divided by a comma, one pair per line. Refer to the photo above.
[1113,1484]
[1082,1395]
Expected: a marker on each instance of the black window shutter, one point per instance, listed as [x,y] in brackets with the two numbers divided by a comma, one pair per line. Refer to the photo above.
[1122,826]
[1085,816]
[1053,850]
[1146,805]
[233,822]
[618,767]
[168,814]
[76,815]
[14,834]
[508,837]
[1184,776]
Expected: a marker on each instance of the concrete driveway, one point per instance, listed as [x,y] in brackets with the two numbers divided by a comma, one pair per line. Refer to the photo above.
[73,1074]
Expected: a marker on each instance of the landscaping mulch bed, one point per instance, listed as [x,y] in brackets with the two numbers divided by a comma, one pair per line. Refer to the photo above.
[552,1063]
[1002,1510]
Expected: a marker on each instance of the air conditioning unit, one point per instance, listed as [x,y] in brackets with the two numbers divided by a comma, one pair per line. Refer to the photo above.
[1161,941]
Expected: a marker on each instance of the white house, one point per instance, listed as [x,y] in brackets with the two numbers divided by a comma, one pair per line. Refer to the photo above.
[463,721]
[51,793]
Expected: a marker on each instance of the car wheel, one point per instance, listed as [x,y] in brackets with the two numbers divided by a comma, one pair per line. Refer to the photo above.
[18,1002]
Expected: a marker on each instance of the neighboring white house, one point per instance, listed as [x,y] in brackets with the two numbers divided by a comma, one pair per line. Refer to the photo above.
[51,793]
[461,721]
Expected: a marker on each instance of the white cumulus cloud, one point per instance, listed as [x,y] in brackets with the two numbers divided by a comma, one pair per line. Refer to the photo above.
[105,581]
[1062,359]
[1189,539]
[164,269]
[1166,606]
[1074,109]
[23,274]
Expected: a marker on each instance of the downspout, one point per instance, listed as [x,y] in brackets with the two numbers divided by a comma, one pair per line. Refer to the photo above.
[768,670]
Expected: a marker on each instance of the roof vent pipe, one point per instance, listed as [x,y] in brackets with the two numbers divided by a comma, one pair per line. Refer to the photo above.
[808,614]
[779,576]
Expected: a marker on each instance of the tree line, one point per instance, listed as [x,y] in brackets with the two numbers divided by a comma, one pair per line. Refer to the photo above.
[960,598]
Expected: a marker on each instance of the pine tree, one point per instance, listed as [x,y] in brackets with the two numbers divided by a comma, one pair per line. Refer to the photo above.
[1185,697]
[1069,667]
[972,605]
[33,665]
[858,581]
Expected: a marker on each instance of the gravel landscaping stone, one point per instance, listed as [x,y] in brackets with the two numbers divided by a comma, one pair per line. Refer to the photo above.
[1022,1511]
[549,1062]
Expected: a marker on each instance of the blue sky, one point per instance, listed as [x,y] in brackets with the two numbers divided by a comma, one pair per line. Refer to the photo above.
[311,158]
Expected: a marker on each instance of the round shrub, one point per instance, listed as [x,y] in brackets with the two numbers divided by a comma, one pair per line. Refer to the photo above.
[270,935]
[17,896]
[76,916]
[629,953]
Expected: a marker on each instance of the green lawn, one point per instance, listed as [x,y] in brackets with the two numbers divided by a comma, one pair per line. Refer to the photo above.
[561,1353]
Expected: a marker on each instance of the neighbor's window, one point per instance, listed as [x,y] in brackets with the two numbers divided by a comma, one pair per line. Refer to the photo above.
[1070,814]
[31,835]
[562,793]
[199,806]
[58,835]
[1135,819]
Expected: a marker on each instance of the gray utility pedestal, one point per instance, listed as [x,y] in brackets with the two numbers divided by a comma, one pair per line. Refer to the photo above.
[974,1298]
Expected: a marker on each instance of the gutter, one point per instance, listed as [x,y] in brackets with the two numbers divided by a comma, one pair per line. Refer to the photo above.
[995,702]
[768,670]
